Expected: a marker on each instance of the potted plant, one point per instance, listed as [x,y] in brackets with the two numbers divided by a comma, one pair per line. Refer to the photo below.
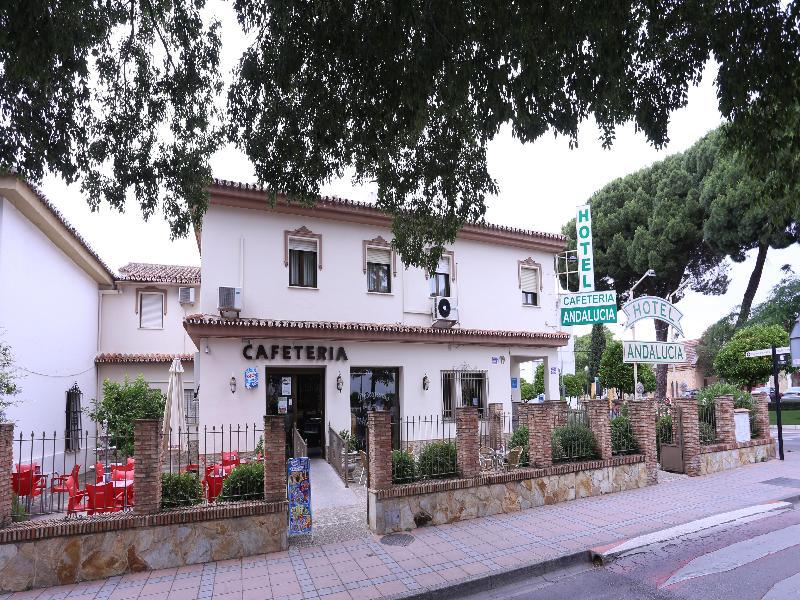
[350,449]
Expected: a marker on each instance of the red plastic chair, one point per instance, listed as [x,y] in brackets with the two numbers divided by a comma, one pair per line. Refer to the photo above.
[99,472]
[22,467]
[103,498]
[76,502]
[131,463]
[58,484]
[230,458]
[122,475]
[213,486]
[27,484]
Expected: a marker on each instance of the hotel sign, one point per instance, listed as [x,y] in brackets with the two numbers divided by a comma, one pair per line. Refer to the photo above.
[273,352]
[583,229]
[653,352]
[589,308]
[652,307]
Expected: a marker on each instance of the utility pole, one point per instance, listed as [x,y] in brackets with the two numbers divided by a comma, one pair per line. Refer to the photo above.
[777,400]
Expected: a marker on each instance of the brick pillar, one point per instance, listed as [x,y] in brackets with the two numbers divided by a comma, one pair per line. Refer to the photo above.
[597,410]
[691,435]
[147,445]
[642,414]
[560,412]
[539,418]
[723,416]
[379,433]
[495,425]
[6,464]
[274,458]
[761,402]
[468,441]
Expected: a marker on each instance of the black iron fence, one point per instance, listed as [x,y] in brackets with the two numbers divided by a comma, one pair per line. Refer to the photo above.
[341,454]
[572,438]
[623,440]
[707,423]
[427,450]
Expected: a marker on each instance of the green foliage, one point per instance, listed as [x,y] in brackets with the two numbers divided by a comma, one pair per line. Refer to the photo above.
[8,377]
[617,374]
[404,469]
[708,434]
[538,380]
[573,442]
[597,346]
[622,439]
[734,367]
[259,449]
[574,385]
[122,404]
[18,512]
[180,489]
[783,304]
[437,460]
[527,390]
[664,429]
[520,438]
[711,342]
[350,442]
[245,482]
[706,395]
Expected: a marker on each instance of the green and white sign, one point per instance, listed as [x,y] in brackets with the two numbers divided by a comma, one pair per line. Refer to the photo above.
[652,307]
[583,229]
[660,353]
[589,308]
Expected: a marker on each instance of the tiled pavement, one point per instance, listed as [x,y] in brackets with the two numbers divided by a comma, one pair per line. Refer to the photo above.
[367,568]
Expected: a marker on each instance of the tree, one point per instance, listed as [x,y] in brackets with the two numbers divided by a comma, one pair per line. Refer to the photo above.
[527,390]
[124,403]
[8,379]
[617,374]
[122,95]
[783,304]
[582,350]
[538,380]
[596,348]
[711,342]
[732,364]
[574,385]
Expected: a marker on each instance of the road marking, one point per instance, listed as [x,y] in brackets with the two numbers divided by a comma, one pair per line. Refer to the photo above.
[738,554]
[788,588]
[750,513]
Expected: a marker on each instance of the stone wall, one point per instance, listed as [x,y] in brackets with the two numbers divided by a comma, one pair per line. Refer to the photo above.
[404,507]
[722,457]
[41,554]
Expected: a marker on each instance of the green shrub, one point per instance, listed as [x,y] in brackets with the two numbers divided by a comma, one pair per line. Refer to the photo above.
[18,512]
[707,433]
[573,442]
[259,449]
[245,482]
[180,489]
[350,442]
[741,399]
[437,461]
[664,429]
[404,469]
[622,439]
[520,438]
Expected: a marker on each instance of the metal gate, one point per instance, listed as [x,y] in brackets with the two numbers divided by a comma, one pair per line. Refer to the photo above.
[669,437]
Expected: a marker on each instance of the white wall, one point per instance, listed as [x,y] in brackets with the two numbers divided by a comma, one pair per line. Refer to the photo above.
[120,322]
[155,374]
[486,286]
[48,314]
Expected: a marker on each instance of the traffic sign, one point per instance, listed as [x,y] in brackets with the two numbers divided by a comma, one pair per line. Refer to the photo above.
[659,353]
[589,308]
[766,352]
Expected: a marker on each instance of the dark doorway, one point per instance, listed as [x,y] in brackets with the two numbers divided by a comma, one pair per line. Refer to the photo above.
[299,394]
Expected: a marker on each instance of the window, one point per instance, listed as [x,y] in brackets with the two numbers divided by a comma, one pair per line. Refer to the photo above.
[151,310]
[440,279]
[374,388]
[302,262]
[379,276]
[463,388]
[529,282]
[72,437]
[190,406]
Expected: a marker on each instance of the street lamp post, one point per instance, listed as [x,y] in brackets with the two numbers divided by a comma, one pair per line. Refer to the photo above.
[649,273]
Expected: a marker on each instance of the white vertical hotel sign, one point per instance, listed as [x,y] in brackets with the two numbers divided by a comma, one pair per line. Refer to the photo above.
[583,227]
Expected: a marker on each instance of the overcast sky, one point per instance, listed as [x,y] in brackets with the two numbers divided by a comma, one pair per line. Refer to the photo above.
[540,186]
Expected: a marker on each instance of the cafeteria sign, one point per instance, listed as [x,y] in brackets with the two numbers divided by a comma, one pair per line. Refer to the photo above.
[652,307]
[589,308]
[659,353]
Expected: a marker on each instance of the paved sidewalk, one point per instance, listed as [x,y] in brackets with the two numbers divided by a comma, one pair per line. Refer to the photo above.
[368,568]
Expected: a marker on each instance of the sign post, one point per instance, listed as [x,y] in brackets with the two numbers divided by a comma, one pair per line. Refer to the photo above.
[777,353]
[583,229]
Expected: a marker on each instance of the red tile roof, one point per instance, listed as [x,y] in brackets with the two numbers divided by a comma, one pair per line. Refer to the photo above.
[195,324]
[157,357]
[153,273]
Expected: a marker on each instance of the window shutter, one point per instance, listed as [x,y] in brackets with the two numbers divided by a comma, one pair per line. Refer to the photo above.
[529,279]
[152,313]
[444,265]
[307,244]
[379,256]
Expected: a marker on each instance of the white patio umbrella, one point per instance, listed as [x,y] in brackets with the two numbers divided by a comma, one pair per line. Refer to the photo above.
[173,409]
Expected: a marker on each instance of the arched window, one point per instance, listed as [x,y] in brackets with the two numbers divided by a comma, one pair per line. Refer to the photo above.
[74,428]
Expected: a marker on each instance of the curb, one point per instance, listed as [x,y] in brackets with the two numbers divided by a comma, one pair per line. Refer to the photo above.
[496,579]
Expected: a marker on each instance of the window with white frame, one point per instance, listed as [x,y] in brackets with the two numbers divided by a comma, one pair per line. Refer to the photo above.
[151,310]
[379,270]
[303,262]
[190,406]
[440,279]
[529,282]
[463,388]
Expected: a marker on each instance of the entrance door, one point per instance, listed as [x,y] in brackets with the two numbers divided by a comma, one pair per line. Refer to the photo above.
[300,395]
[669,438]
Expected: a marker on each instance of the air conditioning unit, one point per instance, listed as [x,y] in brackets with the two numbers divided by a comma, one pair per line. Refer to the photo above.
[230,300]
[445,312]
[186,295]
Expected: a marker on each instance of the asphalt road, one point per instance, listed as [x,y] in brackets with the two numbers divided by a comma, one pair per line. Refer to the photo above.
[791,440]
[749,561]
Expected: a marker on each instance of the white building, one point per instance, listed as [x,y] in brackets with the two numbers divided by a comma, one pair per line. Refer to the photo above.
[315,304]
